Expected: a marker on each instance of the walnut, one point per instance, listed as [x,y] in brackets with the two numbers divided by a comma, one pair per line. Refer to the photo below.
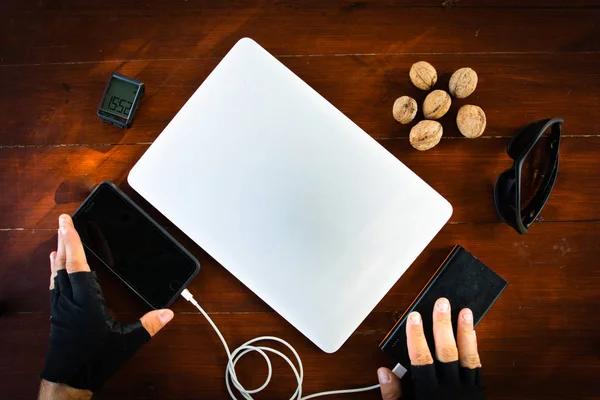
[405,109]
[436,104]
[423,75]
[463,82]
[426,134]
[471,121]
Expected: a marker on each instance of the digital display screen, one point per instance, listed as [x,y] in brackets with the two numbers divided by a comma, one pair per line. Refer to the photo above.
[132,247]
[120,97]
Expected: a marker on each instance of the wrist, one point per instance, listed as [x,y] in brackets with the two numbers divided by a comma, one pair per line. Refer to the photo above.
[60,391]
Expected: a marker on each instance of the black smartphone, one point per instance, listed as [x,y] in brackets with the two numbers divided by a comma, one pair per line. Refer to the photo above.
[133,246]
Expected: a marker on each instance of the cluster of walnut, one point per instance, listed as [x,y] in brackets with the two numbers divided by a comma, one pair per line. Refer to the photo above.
[426,134]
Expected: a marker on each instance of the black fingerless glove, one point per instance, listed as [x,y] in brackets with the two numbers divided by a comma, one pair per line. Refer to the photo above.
[446,381]
[87,346]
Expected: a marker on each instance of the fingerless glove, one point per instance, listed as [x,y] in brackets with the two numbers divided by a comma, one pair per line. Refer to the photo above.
[446,381]
[87,346]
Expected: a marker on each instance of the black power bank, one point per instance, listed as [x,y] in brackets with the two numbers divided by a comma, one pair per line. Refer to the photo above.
[462,279]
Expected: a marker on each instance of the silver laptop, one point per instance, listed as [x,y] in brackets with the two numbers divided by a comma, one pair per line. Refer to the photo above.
[293,198]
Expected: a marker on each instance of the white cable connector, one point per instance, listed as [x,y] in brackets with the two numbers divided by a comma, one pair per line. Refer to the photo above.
[187,295]
[399,370]
[233,358]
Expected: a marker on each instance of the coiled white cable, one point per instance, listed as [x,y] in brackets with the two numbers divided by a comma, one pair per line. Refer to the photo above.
[231,376]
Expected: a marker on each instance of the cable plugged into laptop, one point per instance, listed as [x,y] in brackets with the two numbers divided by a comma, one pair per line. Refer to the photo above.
[249,346]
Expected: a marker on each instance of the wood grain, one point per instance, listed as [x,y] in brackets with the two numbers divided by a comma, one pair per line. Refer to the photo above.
[39,183]
[159,6]
[560,252]
[363,87]
[185,361]
[531,330]
[82,34]
[535,59]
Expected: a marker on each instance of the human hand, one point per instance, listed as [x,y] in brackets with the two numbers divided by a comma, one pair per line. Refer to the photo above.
[456,373]
[87,346]
[389,384]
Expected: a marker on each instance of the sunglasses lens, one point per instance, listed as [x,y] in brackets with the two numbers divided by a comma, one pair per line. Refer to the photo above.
[524,139]
[533,170]
[505,197]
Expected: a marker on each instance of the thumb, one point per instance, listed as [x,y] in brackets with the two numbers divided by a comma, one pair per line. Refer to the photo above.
[390,384]
[155,320]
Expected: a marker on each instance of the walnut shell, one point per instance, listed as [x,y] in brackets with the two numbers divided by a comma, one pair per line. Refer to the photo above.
[463,82]
[471,121]
[436,104]
[426,134]
[405,109]
[423,75]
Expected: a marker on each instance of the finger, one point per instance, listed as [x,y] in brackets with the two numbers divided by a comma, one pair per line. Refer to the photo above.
[61,253]
[467,341]
[445,344]
[155,320]
[75,255]
[53,271]
[418,351]
[62,281]
[390,384]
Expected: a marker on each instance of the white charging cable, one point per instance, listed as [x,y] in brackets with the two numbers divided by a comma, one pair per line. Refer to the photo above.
[231,376]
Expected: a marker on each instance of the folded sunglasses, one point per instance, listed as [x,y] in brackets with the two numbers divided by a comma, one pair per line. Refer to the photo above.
[527,167]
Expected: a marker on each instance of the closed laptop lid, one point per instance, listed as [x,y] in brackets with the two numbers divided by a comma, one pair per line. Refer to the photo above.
[288,194]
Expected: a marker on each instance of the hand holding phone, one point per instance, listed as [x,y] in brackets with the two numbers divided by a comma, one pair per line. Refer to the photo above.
[87,346]
[133,246]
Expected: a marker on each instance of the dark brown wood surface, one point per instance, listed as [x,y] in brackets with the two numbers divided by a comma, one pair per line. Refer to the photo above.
[535,59]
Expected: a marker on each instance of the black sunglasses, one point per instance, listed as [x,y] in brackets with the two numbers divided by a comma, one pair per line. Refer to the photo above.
[508,191]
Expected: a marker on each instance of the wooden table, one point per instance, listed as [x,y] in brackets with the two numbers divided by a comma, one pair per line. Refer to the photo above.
[535,59]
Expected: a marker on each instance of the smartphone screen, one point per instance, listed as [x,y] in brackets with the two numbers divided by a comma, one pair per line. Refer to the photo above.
[133,246]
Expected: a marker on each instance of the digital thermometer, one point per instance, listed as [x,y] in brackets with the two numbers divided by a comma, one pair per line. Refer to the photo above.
[120,100]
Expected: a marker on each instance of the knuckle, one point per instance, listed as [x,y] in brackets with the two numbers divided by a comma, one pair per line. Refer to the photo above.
[76,265]
[444,322]
[449,353]
[417,332]
[471,360]
[465,335]
[151,326]
[422,357]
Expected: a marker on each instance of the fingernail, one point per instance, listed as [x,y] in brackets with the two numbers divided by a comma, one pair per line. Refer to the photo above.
[415,318]
[468,316]
[443,305]
[62,224]
[165,316]
[384,377]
